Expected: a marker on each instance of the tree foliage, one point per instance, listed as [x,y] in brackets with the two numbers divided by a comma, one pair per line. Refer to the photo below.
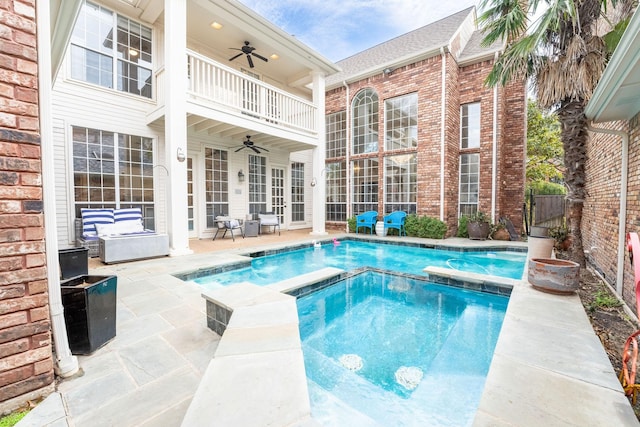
[544,146]
[564,54]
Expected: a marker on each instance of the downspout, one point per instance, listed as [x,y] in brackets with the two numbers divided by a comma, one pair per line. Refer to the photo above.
[347,150]
[65,363]
[494,161]
[622,246]
[442,130]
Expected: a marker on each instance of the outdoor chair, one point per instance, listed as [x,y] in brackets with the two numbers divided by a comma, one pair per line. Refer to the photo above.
[269,219]
[396,220]
[368,220]
[225,223]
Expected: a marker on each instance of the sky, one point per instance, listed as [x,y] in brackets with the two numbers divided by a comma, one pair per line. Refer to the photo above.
[338,29]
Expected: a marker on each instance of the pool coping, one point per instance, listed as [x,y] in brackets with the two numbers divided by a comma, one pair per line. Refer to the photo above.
[548,365]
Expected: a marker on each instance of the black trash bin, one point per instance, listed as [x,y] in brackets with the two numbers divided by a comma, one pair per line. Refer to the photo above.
[89,302]
[89,311]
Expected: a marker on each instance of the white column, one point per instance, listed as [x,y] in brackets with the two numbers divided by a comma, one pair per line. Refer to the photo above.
[175,127]
[65,363]
[319,153]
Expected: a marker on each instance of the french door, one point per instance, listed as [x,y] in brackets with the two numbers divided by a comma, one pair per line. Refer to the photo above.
[278,199]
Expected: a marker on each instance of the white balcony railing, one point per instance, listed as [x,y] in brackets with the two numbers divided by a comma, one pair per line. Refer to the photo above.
[213,82]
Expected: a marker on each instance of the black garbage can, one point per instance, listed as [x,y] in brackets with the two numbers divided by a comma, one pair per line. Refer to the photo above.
[89,311]
[73,262]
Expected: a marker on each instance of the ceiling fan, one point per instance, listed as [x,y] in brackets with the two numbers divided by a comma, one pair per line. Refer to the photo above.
[249,51]
[249,144]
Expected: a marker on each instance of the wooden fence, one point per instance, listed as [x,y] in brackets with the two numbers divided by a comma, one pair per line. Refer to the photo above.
[549,210]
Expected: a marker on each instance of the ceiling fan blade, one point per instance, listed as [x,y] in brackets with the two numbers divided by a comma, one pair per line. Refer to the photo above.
[254,149]
[235,48]
[240,54]
[262,148]
[250,61]
[240,148]
[259,56]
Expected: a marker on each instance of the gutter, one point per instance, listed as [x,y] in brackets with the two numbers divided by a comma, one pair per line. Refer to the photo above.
[494,160]
[347,150]
[442,131]
[65,363]
[622,221]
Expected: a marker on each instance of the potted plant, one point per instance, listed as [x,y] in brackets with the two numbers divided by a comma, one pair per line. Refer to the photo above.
[478,226]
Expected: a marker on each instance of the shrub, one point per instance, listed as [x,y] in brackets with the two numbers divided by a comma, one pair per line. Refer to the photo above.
[352,224]
[425,226]
[462,227]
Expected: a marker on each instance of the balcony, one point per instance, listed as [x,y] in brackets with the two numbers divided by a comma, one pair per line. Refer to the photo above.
[222,89]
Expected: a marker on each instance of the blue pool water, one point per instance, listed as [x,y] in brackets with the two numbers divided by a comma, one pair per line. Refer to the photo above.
[386,350]
[349,255]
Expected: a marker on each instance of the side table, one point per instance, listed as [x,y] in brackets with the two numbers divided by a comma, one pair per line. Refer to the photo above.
[251,228]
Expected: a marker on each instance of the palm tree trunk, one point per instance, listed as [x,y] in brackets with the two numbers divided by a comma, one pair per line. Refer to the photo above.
[574,140]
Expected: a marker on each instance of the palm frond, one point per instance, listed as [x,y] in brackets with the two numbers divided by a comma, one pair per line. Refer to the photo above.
[502,20]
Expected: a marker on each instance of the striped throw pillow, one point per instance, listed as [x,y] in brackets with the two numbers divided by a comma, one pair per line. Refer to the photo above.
[91,217]
[128,214]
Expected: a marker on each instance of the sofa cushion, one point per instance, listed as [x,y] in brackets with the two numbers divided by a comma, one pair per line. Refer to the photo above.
[129,227]
[91,217]
[127,214]
[106,230]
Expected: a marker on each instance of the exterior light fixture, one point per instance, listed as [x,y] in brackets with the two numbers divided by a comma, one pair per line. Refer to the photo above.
[216,25]
[314,181]
[180,155]
[240,176]
[133,52]
[274,56]
[387,71]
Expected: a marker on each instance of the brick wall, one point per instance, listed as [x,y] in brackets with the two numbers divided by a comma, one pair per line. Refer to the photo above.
[463,85]
[602,204]
[26,363]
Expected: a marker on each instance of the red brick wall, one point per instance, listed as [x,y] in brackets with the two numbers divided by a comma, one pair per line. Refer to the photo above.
[602,204]
[463,85]
[26,364]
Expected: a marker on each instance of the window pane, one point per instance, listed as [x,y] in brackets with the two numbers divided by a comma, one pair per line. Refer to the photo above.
[365,122]
[401,183]
[336,196]
[469,179]
[470,125]
[401,122]
[336,134]
[365,185]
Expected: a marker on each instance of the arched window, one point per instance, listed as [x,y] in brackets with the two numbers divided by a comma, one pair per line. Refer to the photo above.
[365,122]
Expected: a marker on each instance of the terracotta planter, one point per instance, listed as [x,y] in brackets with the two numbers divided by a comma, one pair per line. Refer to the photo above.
[501,234]
[540,247]
[478,230]
[554,276]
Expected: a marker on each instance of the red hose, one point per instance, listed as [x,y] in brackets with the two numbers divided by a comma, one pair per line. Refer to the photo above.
[630,356]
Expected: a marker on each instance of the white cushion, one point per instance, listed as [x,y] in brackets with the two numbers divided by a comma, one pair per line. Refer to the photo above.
[128,227]
[106,229]
[267,219]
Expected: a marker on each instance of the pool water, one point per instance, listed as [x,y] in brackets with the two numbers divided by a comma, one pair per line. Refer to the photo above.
[385,350]
[349,255]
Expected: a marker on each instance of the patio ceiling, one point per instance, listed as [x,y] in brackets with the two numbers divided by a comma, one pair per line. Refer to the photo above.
[617,96]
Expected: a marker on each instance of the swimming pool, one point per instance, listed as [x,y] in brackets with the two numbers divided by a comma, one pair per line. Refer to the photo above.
[383,350]
[349,255]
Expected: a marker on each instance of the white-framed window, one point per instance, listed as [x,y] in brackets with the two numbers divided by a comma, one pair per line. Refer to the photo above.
[124,63]
[469,183]
[216,184]
[470,125]
[257,184]
[401,122]
[336,134]
[99,157]
[400,189]
[365,122]
[336,197]
[297,191]
[365,185]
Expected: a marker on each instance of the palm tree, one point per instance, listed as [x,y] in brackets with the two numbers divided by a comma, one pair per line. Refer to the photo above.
[563,54]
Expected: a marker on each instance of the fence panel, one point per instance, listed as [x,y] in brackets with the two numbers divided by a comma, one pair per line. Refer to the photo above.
[549,210]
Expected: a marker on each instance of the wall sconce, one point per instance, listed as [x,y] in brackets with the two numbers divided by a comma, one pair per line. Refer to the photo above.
[313,181]
[240,176]
[180,155]
[387,71]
